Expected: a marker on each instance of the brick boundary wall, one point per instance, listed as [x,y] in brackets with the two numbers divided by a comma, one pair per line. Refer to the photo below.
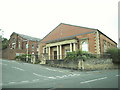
[89,64]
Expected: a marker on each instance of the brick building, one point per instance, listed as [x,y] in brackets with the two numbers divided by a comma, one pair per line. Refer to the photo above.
[67,38]
[21,44]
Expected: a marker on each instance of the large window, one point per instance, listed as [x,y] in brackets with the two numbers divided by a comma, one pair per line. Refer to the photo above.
[26,45]
[105,46]
[19,46]
[13,43]
[84,45]
[32,45]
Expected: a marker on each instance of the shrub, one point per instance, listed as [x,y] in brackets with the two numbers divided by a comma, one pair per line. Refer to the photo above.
[17,57]
[23,57]
[114,54]
[76,55]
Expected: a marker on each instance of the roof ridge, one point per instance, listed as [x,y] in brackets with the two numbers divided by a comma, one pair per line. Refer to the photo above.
[79,26]
[27,37]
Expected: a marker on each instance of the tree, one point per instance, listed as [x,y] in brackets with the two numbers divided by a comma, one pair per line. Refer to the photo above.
[114,55]
[4,43]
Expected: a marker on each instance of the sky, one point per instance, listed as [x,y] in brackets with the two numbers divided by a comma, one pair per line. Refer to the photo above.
[37,18]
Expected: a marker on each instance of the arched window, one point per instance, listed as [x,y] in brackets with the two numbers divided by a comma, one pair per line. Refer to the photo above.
[84,45]
[105,46]
[19,46]
[13,43]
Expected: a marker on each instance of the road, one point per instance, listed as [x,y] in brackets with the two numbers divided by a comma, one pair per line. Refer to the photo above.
[24,75]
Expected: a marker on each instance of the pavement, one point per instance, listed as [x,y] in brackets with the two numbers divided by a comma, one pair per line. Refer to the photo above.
[17,74]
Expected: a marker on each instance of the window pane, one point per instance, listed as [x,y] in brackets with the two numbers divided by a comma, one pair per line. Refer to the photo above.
[84,46]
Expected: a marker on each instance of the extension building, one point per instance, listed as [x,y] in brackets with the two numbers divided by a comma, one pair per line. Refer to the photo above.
[21,44]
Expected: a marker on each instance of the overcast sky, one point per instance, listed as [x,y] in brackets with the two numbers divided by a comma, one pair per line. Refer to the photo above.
[38,17]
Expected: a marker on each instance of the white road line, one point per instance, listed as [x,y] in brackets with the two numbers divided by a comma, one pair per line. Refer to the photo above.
[39,75]
[13,61]
[60,71]
[54,70]
[51,69]
[65,76]
[52,77]
[24,81]
[18,68]
[55,77]
[11,82]
[117,75]
[93,80]
[35,80]
[59,76]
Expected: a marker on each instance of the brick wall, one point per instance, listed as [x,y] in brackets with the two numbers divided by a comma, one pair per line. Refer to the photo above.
[11,53]
[91,41]
[20,47]
[89,64]
[104,38]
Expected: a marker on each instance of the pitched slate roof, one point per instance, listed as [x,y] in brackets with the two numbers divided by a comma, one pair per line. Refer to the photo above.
[27,37]
[66,31]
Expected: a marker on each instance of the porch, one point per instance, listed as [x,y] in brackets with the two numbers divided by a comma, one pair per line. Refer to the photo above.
[58,50]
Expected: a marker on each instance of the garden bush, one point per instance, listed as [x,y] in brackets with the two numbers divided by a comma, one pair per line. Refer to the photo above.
[114,55]
[76,55]
[23,57]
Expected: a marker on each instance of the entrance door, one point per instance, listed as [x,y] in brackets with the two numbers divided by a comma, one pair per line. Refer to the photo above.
[55,54]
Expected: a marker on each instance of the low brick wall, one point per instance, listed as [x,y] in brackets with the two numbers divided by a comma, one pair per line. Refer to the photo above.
[94,64]
[89,64]
[11,53]
[62,63]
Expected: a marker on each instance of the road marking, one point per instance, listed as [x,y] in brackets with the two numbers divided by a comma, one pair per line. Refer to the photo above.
[117,75]
[93,80]
[55,70]
[55,77]
[60,71]
[51,69]
[13,61]
[52,77]
[18,68]
[39,75]
[11,82]
[59,76]
[24,81]
[35,80]
[65,76]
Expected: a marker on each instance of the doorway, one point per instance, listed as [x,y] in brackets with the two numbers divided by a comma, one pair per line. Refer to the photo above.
[55,54]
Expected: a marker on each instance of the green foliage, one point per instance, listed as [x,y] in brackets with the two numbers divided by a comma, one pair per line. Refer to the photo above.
[76,55]
[4,43]
[114,54]
[23,57]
